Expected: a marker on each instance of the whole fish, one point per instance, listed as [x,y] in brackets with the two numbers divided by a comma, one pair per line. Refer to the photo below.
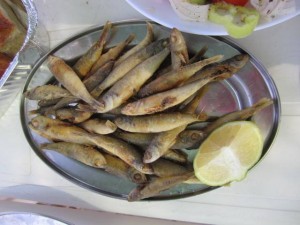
[229,66]
[54,129]
[90,82]
[164,100]
[47,92]
[88,155]
[98,126]
[175,77]
[85,62]
[157,185]
[120,70]
[155,123]
[179,52]
[238,115]
[149,37]
[111,54]
[69,79]
[117,167]
[128,86]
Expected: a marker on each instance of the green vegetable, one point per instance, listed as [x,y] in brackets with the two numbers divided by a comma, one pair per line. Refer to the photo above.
[239,21]
[198,2]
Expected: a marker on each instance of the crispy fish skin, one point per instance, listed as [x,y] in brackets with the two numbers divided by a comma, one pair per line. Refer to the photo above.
[176,155]
[157,185]
[85,63]
[149,37]
[238,115]
[111,54]
[164,100]
[54,129]
[116,166]
[155,123]
[128,86]
[179,52]
[52,102]
[166,168]
[120,70]
[90,82]
[98,126]
[72,115]
[189,139]
[67,77]
[175,77]
[228,66]
[164,140]
[47,92]
[88,155]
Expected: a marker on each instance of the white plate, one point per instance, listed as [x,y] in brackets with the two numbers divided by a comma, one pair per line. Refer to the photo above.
[161,12]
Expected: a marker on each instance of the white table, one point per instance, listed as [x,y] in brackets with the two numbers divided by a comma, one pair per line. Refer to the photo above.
[269,195]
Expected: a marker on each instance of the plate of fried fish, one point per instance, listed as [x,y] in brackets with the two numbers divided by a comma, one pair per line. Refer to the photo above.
[122,109]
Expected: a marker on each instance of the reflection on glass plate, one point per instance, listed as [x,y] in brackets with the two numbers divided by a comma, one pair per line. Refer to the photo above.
[20,218]
[161,12]
[242,90]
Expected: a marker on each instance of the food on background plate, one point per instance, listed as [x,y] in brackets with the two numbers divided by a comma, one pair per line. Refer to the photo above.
[12,34]
[239,17]
[122,144]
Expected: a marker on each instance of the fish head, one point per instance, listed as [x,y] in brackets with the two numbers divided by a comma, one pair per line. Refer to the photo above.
[238,61]
[39,122]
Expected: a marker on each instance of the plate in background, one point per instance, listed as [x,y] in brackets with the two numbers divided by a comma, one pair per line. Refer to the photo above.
[242,90]
[161,12]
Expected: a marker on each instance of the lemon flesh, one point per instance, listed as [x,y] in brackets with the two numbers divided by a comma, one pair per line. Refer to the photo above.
[228,153]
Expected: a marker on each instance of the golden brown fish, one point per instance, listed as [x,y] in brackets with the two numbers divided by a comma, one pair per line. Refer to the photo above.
[54,129]
[72,115]
[69,79]
[117,167]
[164,100]
[111,54]
[149,37]
[165,140]
[128,86]
[175,77]
[120,70]
[155,186]
[155,123]
[85,63]
[47,92]
[99,126]
[88,155]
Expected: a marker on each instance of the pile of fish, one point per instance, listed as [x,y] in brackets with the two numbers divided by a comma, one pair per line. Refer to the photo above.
[128,111]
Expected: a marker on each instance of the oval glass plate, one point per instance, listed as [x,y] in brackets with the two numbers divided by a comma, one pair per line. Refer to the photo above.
[161,12]
[242,90]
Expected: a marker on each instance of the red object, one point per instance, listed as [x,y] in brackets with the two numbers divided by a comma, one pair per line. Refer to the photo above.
[233,2]
[4,63]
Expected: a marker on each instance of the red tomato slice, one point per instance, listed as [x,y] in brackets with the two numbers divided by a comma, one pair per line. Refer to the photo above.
[233,2]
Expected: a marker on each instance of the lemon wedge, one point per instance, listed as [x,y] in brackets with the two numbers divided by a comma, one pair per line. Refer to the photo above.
[228,153]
